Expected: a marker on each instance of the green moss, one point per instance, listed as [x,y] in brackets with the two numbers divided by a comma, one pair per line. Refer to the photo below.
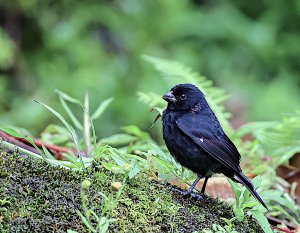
[37,197]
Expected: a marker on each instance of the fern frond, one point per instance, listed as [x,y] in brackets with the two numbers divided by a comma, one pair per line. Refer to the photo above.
[174,72]
[277,139]
[151,99]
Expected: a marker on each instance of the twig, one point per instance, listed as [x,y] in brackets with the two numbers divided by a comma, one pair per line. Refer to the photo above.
[17,142]
[51,147]
[23,143]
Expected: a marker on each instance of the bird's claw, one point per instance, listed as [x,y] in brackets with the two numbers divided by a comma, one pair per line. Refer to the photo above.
[188,193]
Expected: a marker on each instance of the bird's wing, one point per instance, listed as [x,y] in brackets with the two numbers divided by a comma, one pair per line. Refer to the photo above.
[219,146]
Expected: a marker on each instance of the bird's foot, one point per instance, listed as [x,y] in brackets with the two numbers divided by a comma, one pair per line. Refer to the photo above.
[188,193]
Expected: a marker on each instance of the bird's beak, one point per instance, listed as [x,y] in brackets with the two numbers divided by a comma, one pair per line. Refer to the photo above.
[169,97]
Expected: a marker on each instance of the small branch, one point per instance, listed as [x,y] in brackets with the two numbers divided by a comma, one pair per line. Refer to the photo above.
[51,147]
[17,142]
[23,143]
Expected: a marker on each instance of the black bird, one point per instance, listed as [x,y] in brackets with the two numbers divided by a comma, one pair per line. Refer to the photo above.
[196,139]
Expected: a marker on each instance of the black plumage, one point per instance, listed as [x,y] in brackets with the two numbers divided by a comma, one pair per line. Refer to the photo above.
[196,139]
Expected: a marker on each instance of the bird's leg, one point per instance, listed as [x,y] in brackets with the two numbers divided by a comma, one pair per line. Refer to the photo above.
[189,191]
[193,185]
[204,185]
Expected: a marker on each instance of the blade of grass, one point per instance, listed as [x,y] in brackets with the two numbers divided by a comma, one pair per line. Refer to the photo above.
[67,97]
[63,97]
[91,126]
[67,125]
[47,153]
[103,105]
[87,124]
[87,115]
[262,220]
[70,113]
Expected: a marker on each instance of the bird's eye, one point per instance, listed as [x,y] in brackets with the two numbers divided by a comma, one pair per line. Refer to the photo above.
[182,97]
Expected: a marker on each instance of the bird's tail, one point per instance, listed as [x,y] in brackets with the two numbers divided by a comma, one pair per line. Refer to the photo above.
[248,184]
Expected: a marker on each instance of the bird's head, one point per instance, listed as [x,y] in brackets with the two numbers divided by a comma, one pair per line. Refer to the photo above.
[184,97]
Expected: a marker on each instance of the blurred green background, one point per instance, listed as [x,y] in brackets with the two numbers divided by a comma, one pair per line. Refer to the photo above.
[249,48]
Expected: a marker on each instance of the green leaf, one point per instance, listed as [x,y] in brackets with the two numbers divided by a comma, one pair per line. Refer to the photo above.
[152,99]
[289,215]
[165,156]
[11,132]
[67,97]
[256,181]
[250,204]
[68,126]
[118,140]
[101,108]
[110,166]
[255,126]
[117,156]
[56,134]
[70,114]
[236,190]
[62,97]
[262,220]
[85,221]
[134,171]
[134,130]
[47,153]
[103,224]
[159,110]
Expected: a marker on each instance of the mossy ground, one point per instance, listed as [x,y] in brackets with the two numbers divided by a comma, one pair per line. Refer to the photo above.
[37,197]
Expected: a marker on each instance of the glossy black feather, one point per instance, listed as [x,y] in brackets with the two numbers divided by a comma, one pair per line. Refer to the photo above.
[216,144]
[196,139]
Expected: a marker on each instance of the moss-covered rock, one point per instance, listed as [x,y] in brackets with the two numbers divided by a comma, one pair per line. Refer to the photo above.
[37,197]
